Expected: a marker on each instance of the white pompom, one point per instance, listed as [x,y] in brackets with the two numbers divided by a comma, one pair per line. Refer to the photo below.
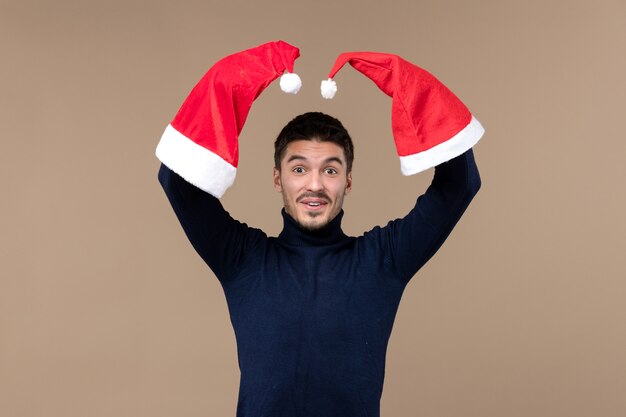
[329,88]
[290,83]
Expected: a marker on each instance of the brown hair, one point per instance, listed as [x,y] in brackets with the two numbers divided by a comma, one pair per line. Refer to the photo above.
[314,126]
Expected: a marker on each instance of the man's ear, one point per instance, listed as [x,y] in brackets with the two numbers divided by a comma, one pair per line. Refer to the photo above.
[349,183]
[277,184]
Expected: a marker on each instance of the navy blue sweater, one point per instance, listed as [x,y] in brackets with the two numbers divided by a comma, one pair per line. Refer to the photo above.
[313,311]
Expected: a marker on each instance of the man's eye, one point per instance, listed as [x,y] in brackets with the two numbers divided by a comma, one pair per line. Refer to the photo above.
[330,171]
[298,170]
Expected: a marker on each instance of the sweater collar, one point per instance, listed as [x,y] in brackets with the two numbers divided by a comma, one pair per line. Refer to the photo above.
[293,234]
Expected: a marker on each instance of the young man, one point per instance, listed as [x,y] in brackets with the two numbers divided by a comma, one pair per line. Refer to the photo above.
[313,309]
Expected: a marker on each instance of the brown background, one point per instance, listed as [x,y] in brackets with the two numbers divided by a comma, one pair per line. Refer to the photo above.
[105,310]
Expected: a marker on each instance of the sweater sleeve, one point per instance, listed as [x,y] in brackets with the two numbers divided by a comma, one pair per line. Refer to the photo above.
[411,241]
[222,242]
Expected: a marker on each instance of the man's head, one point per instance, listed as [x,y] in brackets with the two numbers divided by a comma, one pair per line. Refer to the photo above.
[313,157]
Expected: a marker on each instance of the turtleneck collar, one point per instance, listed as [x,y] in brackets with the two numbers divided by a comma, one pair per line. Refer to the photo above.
[293,234]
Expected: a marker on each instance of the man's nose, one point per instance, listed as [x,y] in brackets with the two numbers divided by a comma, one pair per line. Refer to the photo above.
[315,182]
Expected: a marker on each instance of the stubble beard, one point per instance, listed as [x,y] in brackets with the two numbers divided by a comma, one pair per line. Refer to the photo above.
[310,227]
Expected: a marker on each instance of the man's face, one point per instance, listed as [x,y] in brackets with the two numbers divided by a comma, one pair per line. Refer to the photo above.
[313,180]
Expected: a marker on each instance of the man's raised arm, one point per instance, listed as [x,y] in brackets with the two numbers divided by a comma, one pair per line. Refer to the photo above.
[411,241]
[199,150]
[431,128]
[220,240]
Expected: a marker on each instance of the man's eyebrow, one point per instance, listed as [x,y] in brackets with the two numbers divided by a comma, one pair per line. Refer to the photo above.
[326,161]
[296,158]
[334,159]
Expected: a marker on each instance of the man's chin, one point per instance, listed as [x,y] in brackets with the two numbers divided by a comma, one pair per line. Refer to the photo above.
[314,222]
[311,226]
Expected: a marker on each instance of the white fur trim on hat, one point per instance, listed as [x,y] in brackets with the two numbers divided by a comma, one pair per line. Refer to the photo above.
[453,147]
[194,163]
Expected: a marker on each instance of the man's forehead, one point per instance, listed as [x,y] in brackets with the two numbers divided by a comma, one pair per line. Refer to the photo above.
[311,149]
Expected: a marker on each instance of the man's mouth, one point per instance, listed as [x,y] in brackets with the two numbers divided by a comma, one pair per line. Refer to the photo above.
[313,203]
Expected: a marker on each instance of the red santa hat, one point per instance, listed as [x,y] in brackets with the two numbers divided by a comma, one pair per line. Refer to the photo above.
[201,143]
[430,124]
